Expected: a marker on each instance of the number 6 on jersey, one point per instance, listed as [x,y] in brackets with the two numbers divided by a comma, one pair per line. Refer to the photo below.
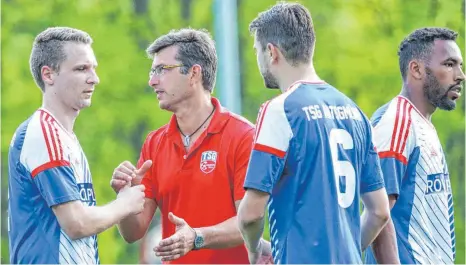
[343,168]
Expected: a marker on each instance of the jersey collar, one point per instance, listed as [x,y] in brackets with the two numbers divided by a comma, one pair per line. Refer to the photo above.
[219,119]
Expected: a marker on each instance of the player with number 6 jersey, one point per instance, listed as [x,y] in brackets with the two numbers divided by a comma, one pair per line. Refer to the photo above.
[312,156]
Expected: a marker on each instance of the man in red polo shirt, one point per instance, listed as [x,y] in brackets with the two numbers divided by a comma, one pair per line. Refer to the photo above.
[199,159]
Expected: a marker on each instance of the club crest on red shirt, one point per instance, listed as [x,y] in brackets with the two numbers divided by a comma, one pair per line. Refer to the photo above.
[208,161]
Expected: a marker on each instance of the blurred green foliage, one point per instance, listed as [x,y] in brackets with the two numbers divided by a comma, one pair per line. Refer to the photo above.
[356,49]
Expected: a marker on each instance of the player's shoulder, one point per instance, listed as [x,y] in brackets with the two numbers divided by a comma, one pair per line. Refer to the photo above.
[19,135]
[38,141]
[396,111]
[33,130]
[276,105]
[393,126]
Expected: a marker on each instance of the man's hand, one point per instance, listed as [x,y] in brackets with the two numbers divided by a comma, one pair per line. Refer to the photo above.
[127,174]
[133,198]
[179,244]
[266,255]
[262,255]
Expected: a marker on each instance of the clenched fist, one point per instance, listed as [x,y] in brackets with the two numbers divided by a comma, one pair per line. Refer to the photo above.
[133,197]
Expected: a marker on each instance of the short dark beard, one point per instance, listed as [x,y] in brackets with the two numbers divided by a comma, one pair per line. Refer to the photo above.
[435,93]
[269,80]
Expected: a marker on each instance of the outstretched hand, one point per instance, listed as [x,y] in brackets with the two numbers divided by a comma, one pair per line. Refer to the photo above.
[179,244]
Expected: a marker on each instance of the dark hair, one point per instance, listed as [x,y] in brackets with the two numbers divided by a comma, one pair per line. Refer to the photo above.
[419,44]
[289,27]
[194,47]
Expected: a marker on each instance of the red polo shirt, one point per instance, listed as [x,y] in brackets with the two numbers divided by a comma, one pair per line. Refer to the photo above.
[202,185]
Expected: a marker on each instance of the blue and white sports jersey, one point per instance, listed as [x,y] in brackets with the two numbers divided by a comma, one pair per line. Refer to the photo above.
[46,167]
[414,169]
[313,154]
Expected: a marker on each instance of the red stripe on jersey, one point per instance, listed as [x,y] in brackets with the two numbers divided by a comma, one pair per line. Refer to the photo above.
[405,137]
[54,124]
[270,150]
[51,131]
[402,127]
[44,131]
[49,165]
[391,154]
[420,114]
[392,146]
[260,119]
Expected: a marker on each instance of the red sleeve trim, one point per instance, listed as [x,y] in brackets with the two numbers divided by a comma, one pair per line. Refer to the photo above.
[270,150]
[391,154]
[52,164]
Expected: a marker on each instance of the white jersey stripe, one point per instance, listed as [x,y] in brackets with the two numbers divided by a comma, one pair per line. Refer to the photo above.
[423,246]
[415,236]
[67,255]
[63,259]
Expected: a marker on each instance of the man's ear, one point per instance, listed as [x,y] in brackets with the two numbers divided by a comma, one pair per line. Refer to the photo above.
[273,53]
[416,69]
[196,74]
[47,74]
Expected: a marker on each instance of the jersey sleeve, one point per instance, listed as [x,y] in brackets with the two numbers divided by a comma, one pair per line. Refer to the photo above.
[241,164]
[371,179]
[148,180]
[394,140]
[270,148]
[43,156]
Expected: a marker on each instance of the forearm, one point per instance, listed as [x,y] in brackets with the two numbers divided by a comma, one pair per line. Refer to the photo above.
[371,225]
[385,246]
[97,219]
[222,235]
[252,232]
[134,227]
[131,227]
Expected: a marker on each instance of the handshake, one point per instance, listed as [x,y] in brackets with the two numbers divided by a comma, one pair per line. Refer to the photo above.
[126,182]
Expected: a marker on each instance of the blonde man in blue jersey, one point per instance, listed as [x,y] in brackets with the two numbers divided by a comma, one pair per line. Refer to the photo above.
[52,212]
[412,159]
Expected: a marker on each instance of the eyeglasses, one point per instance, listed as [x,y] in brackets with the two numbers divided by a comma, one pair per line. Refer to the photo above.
[161,69]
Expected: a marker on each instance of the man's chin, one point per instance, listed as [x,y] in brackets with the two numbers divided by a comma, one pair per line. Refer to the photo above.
[271,86]
[84,104]
[164,105]
[447,105]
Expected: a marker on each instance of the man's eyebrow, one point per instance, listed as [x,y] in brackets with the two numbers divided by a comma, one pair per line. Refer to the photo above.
[455,60]
[157,65]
